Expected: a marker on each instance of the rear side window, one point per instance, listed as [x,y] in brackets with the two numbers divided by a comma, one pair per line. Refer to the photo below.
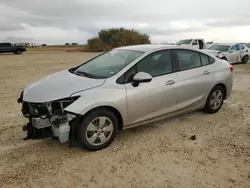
[211,60]
[188,59]
[233,48]
[204,59]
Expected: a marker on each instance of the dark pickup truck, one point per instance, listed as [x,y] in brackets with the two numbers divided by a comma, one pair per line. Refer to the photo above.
[11,48]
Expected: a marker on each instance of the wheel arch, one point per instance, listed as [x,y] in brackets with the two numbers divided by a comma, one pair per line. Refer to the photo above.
[224,88]
[110,108]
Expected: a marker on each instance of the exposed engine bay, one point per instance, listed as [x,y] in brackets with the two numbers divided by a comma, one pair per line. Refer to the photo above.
[48,119]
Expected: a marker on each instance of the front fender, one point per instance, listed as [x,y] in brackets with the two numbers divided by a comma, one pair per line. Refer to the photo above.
[99,97]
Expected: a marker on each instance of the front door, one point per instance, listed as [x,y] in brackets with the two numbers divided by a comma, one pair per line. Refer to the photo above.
[233,54]
[194,78]
[155,98]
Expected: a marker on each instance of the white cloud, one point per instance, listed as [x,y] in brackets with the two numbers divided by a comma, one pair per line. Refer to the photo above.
[60,21]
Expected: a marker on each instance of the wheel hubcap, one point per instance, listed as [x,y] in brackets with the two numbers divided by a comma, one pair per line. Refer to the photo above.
[99,131]
[216,99]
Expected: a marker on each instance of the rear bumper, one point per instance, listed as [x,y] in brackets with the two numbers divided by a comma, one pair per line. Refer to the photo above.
[229,85]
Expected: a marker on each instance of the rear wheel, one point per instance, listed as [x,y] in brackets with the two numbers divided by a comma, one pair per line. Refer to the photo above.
[18,52]
[215,100]
[97,130]
[245,59]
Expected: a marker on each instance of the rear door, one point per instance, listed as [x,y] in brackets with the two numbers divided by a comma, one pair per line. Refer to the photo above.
[155,98]
[194,78]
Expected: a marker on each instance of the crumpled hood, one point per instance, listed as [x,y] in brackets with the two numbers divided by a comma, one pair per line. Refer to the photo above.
[213,52]
[57,86]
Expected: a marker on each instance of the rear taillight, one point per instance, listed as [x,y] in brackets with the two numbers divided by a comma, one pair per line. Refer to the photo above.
[231,68]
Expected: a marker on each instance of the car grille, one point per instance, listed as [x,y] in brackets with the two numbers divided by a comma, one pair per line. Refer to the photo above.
[35,109]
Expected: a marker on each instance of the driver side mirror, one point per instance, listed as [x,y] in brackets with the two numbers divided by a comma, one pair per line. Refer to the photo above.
[194,43]
[231,51]
[141,77]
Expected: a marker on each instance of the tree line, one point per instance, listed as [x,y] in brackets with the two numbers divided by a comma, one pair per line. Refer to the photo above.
[116,37]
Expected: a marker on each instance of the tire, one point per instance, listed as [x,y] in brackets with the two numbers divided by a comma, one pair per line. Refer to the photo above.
[18,52]
[245,59]
[91,133]
[217,94]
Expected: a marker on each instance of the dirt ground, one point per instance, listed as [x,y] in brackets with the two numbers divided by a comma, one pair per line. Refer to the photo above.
[156,155]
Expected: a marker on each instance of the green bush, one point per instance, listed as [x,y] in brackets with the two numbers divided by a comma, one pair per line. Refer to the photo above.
[95,45]
[116,37]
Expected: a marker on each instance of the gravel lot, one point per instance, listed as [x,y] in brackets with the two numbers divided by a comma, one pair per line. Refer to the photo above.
[157,155]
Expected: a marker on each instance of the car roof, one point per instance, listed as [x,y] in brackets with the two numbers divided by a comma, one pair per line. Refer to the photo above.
[151,47]
[229,44]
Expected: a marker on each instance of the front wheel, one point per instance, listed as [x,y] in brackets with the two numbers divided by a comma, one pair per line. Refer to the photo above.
[18,52]
[215,100]
[97,130]
[245,59]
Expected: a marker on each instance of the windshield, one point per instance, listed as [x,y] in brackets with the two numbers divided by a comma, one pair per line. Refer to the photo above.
[221,48]
[187,41]
[107,64]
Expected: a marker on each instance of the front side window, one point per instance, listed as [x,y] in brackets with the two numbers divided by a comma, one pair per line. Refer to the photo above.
[188,59]
[234,48]
[156,64]
[107,64]
[195,42]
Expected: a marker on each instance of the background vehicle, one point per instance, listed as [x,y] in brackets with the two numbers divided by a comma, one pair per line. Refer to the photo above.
[194,43]
[247,45]
[123,88]
[11,48]
[230,53]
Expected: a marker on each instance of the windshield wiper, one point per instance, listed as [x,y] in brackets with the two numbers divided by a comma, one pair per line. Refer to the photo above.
[80,73]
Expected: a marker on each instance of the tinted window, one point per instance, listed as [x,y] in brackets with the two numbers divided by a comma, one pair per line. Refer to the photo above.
[130,74]
[6,44]
[188,59]
[195,42]
[156,64]
[204,59]
[187,41]
[211,60]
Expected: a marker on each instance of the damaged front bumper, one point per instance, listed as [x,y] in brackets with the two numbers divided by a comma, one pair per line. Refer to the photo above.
[49,120]
[38,128]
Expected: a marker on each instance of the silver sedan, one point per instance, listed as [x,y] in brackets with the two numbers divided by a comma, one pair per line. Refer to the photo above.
[123,88]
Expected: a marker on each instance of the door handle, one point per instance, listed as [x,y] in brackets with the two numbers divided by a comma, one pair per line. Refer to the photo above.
[206,72]
[170,82]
